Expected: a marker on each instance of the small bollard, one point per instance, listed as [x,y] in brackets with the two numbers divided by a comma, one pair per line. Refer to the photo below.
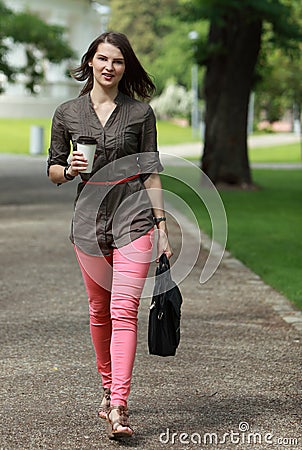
[36,145]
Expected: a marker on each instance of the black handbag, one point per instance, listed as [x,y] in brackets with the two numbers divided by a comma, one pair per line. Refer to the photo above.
[165,312]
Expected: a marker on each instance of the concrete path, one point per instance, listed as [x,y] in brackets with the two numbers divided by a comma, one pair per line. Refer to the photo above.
[235,382]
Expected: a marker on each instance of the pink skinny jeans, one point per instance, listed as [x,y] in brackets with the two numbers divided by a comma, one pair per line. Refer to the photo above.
[114,285]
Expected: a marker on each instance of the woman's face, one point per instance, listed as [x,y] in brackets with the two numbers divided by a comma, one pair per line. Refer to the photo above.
[108,66]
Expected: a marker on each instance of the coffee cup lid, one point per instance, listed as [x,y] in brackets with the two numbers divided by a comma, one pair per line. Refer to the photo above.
[86,140]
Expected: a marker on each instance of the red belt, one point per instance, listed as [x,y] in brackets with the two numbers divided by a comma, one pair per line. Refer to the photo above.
[123,180]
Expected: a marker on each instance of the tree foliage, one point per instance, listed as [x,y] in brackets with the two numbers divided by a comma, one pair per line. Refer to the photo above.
[40,40]
[159,37]
[280,14]
[279,73]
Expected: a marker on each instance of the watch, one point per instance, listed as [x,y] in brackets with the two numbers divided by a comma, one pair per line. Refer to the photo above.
[67,176]
[159,219]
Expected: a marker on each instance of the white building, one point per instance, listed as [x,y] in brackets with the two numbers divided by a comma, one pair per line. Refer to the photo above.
[83,20]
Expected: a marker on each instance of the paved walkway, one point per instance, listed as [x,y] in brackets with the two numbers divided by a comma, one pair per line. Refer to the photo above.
[254,141]
[236,378]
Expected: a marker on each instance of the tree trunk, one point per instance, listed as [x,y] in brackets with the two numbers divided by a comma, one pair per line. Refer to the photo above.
[228,84]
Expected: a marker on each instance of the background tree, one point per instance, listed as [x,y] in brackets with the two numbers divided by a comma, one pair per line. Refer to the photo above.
[42,42]
[230,56]
[159,36]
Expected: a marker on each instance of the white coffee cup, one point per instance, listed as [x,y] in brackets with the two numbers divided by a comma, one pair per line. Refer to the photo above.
[87,146]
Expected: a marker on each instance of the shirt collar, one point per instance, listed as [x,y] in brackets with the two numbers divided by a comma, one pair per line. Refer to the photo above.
[119,99]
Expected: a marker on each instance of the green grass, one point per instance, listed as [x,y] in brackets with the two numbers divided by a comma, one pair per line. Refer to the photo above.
[170,134]
[280,153]
[15,134]
[264,227]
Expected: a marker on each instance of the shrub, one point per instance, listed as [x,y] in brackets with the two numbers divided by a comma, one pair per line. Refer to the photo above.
[175,101]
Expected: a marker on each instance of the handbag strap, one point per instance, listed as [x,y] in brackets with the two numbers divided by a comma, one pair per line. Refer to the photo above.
[164,261]
[163,265]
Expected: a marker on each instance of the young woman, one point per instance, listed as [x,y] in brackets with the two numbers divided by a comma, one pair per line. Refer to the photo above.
[114,257]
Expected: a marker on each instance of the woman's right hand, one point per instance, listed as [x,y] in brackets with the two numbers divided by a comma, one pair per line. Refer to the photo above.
[77,163]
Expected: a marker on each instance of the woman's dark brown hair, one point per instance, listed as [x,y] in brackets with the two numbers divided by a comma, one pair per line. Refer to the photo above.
[135,81]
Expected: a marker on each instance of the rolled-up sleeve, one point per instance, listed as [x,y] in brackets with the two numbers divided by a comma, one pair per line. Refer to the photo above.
[59,149]
[149,161]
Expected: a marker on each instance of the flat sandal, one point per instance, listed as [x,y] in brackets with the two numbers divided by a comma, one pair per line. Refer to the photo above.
[119,427]
[104,408]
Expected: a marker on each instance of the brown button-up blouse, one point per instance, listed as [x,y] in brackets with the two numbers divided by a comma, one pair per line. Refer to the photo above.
[112,207]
